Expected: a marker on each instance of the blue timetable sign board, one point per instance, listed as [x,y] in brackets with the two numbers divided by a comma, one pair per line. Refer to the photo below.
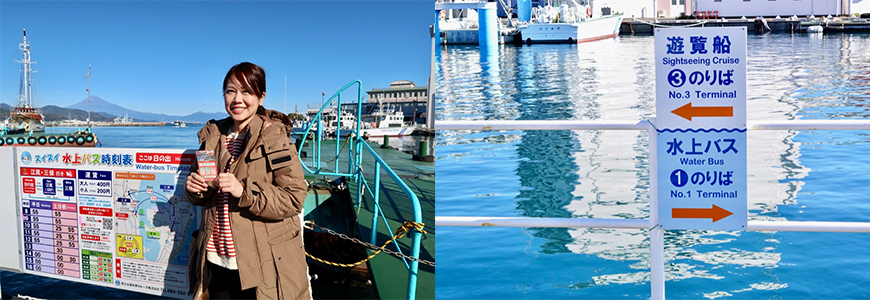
[701,127]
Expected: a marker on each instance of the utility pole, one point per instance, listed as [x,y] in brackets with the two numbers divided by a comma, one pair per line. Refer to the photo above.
[88,77]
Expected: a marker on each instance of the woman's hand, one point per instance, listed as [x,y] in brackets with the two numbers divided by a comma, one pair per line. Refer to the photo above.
[195,183]
[227,183]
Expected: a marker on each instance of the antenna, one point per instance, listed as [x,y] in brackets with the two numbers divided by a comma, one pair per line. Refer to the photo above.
[89,95]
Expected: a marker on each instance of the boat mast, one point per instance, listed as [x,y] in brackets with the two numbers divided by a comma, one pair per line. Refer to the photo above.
[89,95]
[25,91]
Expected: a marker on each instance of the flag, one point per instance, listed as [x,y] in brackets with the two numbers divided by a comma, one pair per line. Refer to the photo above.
[89,72]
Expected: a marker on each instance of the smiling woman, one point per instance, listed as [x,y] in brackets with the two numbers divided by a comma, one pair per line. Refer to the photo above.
[249,242]
[244,91]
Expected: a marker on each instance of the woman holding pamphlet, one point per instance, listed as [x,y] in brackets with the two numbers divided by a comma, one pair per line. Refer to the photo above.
[251,186]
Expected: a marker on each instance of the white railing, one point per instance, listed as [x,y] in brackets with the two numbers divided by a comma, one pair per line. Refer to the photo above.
[657,271]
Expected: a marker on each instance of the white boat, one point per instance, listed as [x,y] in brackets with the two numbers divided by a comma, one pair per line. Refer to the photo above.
[378,124]
[179,124]
[24,117]
[568,22]
[390,123]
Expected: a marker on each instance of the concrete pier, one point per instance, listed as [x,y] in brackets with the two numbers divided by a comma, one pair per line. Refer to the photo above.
[104,124]
[781,25]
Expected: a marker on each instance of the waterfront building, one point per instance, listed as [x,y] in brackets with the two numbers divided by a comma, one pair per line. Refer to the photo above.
[402,95]
[400,91]
[771,8]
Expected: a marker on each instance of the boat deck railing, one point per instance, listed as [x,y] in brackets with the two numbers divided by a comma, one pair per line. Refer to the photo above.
[657,263]
[354,172]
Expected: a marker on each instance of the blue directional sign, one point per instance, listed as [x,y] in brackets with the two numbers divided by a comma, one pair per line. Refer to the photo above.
[701,127]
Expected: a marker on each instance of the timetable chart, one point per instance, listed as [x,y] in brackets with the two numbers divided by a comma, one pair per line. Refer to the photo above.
[97,266]
[51,241]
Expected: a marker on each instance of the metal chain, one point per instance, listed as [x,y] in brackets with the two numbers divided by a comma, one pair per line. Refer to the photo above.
[346,141]
[370,246]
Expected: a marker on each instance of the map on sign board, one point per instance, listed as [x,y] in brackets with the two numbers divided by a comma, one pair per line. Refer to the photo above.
[700,143]
[111,217]
[155,213]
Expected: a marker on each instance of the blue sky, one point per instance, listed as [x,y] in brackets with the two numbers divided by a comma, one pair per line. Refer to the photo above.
[171,56]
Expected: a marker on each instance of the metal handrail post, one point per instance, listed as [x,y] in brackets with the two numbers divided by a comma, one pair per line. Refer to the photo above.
[377,206]
[418,218]
[853,124]
[415,252]
[359,136]
[338,134]
[657,236]
[320,131]
[355,171]
[360,180]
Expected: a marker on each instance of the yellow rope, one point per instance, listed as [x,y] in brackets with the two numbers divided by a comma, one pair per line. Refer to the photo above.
[400,232]
[346,141]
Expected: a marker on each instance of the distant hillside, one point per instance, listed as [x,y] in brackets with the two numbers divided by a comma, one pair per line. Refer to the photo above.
[112,110]
[55,113]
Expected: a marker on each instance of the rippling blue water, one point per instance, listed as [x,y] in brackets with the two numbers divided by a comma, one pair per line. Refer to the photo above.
[793,175]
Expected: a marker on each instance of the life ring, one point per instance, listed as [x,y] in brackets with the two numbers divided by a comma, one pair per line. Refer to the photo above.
[10,141]
[52,140]
[70,139]
[2,142]
[588,11]
[21,140]
[80,141]
[41,140]
[31,140]
[61,140]
[89,138]
[442,15]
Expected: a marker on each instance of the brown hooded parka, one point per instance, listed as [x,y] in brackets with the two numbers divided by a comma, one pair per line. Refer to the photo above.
[265,223]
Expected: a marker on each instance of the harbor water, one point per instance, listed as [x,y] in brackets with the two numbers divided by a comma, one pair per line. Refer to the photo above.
[165,137]
[809,175]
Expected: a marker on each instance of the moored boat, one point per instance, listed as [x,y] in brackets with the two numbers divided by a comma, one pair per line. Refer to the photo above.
[25,125]
[389,122]
[568,22]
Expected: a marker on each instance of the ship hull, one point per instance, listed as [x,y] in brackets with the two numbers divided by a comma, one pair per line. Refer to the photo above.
[569,33]
[379,132]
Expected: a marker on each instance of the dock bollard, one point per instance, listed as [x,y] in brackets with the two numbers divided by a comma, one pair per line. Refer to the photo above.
[386,144]
[422,153]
